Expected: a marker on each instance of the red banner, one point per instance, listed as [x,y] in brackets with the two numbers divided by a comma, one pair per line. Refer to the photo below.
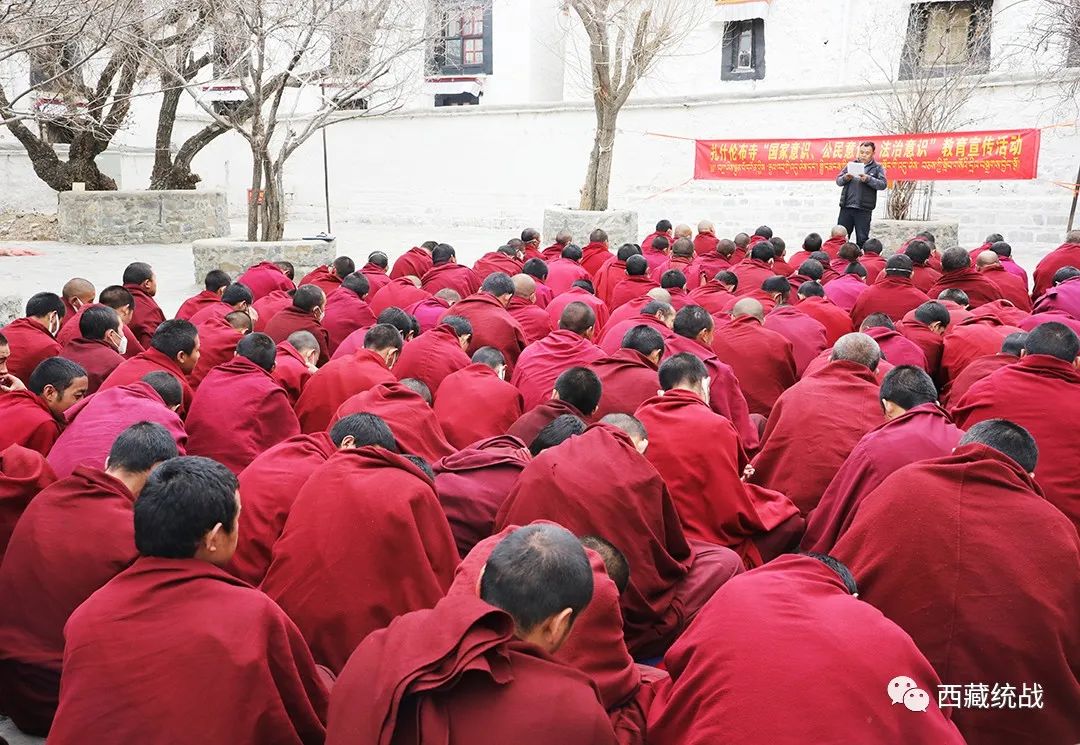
[974,156]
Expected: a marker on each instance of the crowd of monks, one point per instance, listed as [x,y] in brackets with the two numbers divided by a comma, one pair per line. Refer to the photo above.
[696,490]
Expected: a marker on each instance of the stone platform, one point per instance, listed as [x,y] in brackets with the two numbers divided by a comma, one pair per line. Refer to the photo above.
[620,225]
[233,255]
[895,233]
[141,217]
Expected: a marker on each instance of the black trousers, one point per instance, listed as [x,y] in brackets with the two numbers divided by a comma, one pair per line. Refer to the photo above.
[856,221]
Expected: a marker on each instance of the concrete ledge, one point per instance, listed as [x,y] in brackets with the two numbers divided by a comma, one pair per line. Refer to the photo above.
[129,217]
[235,255]
[11,307]
[895,233]
[620,225]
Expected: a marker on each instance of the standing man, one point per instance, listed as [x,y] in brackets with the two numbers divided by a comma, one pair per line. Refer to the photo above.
[858,197]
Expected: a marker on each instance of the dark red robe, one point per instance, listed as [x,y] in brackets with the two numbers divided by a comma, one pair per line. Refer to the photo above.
[751,273]
[195,303]
[874,265]
[239,412]
[367,575]
[376,276]
[762,360]
[832,246]
[493,326]
[264,278]
[292,319]
[268,487]
[594,256]
[614,333]
[813,427]
[474,404]
[1067,254]
[432,356]
[1011,287]
[321,277]
[217,345]
[335,381]
[493,261]
[927,549]
[415,262]
[969,340]
[707,265]
[976,370]
[921,433]
[629,288]
[541,363]
[269,306]
[892,295]
[924,277]
[70,330]
[627,379]
[451,276]
[408,416]
[932,344]
[979,289]
[552,252]
[562,273]
[793,614]
[146,317]
[534,320]
[705,243]
[806,335]
[398,293]
[427,312]
[218,311]
[135,663]
[529,424]
[23,473]
[28,421]
[48,571]
[835,320]
[97,356]
[345,313]
[673,262]
[31,344]
[577,295]
[1003,310]
[897,348]
[1038,319]
[712,296]
[291,371]
[607,276]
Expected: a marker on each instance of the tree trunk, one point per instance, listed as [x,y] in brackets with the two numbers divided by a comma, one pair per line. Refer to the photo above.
[163,136]
[273,227]
[253,197]
[598,176]
[901,194]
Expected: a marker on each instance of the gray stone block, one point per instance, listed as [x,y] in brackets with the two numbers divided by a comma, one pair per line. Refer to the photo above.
[895,233]
[11,307]
[128,217]
[235,256]
[620,225]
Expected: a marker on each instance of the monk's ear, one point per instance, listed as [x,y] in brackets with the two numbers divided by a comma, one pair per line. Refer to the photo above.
[1076,363]
[1023,353]
[654,356]
[480,579]
[347,442]
[554,394]
[559,628]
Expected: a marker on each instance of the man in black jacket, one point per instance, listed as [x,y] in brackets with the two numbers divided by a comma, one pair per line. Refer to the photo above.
[859,194]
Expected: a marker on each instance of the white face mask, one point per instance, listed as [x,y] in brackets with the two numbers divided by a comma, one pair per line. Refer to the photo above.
[54,324]
[502,373]
[122,346]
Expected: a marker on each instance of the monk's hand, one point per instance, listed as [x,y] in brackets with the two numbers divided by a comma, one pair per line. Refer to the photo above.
[747,472]
[9,382]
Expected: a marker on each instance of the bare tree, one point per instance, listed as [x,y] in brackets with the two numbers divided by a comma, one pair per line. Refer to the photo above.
[626,39]
[1055,45]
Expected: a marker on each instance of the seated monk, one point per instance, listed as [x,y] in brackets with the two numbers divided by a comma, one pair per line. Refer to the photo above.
[141,281]
[347,309]
[581,291]
[706,240]
[415,262]
[99,348]
[1011,287]
[1064,296]
[530,243]
[981,367]
[628,377]
[1041,394]
[711,263]
[577,391]
[174,348]
[806,335]
[565,270]
[49,569]
[716,294]
[235,297]
[436,353]
[446,273]
[838,236]
[160,620]
[296,357]
[267,277]
[770,629]
[375,270]
[613,271]
[428,311]
[33,417]
[305,314]
[95,422]
[682,256]
[895,347]
[674,281]
[698,454]
[656,314]
[988,579]
[76,294]
[346,376]
[23,473]
[218,338]
[812,302]
[872,260]
[968,340]
[493,325]
[481,670]
[269,306]
[1067,254]
[537,269]
[476,402]
[957,273]
[405,406]
[504,259]
[636,283]
[396,317]
[762,359]
[558,430]
[568,346]
[916,429]
[215,283]
[596,647]
[926,326]
[617,494]
[755,268]
[473,483]
[893,294]
[817,422]
[120,300]
[534,320]
[367,575]
[845,290]
[926,264]
[596,252]
[328,277]
[31,339]
[399,293]
[240,410]
[270,485]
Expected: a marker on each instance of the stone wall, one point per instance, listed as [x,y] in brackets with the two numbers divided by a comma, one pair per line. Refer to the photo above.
[620,225]
[11,307]
[235,256]
[130,217]
[895,233]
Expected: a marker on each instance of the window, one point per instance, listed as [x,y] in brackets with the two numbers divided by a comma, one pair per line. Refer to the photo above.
[465,44]
[744,50]
[945,38]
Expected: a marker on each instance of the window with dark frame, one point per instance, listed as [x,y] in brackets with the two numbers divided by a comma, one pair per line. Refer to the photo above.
[744,50]
[464,48]
[945,38]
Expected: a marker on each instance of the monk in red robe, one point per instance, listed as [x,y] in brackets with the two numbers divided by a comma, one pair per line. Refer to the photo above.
[269,306]
[428,311]
[983,367]
[893,294]
[895,347]
[97,349]
[916,429]
[613,272]
[296,357]
[716,294]
[975,592]
[562,239]
[267,277]
[926,327]
[838,236]
[328,277]
[872,260]
[762,359]
[969,340]
[628,377]
[534,320]
[375,271]
[240,411]
[347,309]
[473,483]
[596,252]
[806,335]
[1067,254]
[1011,287]
[814,303]
[236,297]
[46,553]
[816,423]
[682,256]
[755,268]
[33,416]
[160,620]
[1040,393]
[958,274]
[480,670]
[76,294]
[568,346]
[1004,311]
[619,496]
[446,273]
[23,473]
[405,406]
[707,265]
[565,270]
[699,456]
[346,376]
[95,422]
[576,394]
[580,292]
[705,241]
[636,283]
[656,250]
[772,630]
[1064,296]
[305,314]
[215,283]
[925,265]
[400,292]
[476,402]
[218,338]
[415,262]
[141,282]
[31,339]
[437,353]
[493,326]
[120,300]
[655,313]
[367,576]
[503,259]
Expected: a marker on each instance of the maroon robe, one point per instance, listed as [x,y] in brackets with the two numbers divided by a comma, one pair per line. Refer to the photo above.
[552,252]
[712,296]
[345,313]
[709,265]
[474,404]
[291,319]
[627,379]
[23,473]
[1042,394]
[268,487]
[897,348]
[653,257]
[1011,287]
[291,371]
[336,381]
[542,362]
[415,262]
[191,306]
[529,424]
[1062,298]
[611,339]
[606,277]
[238,413]
[1038,319]
[493,326]
[210,312]
[31,344]
[705,243]
[921,433]
[321,277]
[70,330]
[408,416]
[679,298]
[217,345]
[398,293]
[264,278]
[1003,310]
[457,277]
[824,311]
[146,317]
[630,288]
[762,360]
[1067,254]
[494,261]
[814,425]
[269,306]
[432,356]
[367,576]
[674,262]
[976,370]
[534,320]
[751,274]
[924,277]
[97,356]
[594,256]
[874,264]
[28,422]
[806,335]
[929,554]
[577,295]
[135,663]
[969,340]
[427,312]
[892,295]
[932,344]
[562,273]
[376,276]
[979,289]
[832,246]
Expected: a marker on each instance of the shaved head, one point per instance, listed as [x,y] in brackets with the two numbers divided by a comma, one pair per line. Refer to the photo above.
[748,306]
[683,231]
[563,237]
[577,317]
[706,227]
[627,424]
[987,258]
[450,296]
[857,348]
[413,278]
[838,231]
[524,285]
[660,295]
[79,288]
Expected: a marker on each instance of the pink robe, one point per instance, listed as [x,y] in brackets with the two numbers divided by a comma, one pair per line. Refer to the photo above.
[264,278]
